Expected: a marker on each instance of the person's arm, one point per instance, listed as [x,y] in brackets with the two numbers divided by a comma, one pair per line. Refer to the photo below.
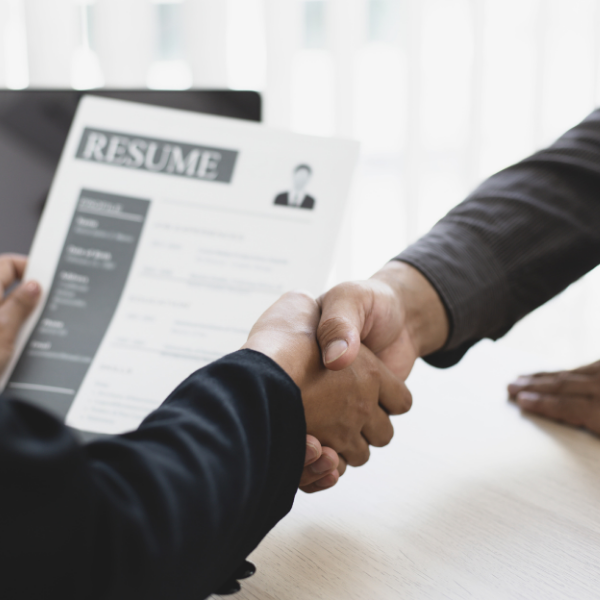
[172,510]
[521,238]
[168,511]
[322,469]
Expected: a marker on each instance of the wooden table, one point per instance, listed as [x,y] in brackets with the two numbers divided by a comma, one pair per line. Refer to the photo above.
[471,500]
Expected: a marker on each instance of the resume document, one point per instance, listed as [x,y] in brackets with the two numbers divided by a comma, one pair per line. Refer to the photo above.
[165,236]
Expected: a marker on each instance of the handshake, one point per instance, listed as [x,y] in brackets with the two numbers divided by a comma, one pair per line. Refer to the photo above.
[350,352]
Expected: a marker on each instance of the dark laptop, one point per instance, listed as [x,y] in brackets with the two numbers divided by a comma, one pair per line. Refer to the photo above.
[33,128]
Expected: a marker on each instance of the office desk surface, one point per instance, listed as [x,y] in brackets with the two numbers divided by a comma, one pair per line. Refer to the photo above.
[471,500]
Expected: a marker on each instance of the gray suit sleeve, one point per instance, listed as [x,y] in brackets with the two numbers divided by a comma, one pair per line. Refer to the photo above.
[520,239]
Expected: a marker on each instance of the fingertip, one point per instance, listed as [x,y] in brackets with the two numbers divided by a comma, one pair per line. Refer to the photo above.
[527,400]
[313,451]
[520,383]
[528,396]
[32,289]
[327,463]
[342,361]
[332,455]
[406,402]
[335,351]
[26,296]
[328,481]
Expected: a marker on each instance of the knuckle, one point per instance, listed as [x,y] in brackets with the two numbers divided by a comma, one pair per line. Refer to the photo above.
[342,439]
[365,407]
[389,434]
[362,458]
[560,382]
[402,402]
[346,438]
[357,452]
[372,370]
[399,400]
[368,375]
[383,439]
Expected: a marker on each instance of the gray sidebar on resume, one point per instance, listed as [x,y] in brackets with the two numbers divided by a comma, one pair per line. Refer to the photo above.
[88,283]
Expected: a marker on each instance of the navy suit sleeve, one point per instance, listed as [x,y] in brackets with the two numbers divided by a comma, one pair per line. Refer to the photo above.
[168,511]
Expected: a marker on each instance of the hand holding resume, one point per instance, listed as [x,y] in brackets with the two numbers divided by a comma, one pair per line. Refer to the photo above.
[165,236]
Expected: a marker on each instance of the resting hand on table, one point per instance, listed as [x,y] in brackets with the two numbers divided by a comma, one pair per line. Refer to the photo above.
[16,306]
[346,411]
[571,397]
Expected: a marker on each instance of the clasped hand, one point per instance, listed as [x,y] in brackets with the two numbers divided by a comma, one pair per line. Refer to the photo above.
[347,410]
[347,405]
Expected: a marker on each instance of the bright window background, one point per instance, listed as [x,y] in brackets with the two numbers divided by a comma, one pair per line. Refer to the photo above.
[441,93]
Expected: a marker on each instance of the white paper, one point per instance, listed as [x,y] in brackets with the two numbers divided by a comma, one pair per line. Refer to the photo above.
[154,264]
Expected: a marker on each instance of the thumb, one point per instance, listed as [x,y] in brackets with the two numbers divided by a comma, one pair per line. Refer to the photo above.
[15,310]
[342,320]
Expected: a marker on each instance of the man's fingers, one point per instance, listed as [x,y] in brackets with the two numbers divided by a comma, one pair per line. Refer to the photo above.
[565,383]
[357,453]
[394,396]
[328,481]
[322,484]
[379,430]
[15,310]
[574,410]
[313,450]
[12,267]
[342,321]
[325,465]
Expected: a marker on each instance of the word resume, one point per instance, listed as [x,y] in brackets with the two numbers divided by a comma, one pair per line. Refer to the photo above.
[166,234]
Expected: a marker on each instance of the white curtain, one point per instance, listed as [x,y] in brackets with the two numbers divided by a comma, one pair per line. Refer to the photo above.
[441,93]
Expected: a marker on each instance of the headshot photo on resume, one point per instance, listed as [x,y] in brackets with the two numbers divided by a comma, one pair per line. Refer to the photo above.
[297,196]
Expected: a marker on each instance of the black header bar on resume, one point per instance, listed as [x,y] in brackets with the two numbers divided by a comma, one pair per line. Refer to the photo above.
[157,156]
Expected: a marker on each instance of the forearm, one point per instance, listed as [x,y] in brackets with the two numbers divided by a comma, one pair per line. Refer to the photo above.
[168,511]
[426,317]
[521,238]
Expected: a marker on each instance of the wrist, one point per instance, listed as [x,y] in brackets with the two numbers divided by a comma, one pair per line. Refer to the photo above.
[424,313]
[281,350]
